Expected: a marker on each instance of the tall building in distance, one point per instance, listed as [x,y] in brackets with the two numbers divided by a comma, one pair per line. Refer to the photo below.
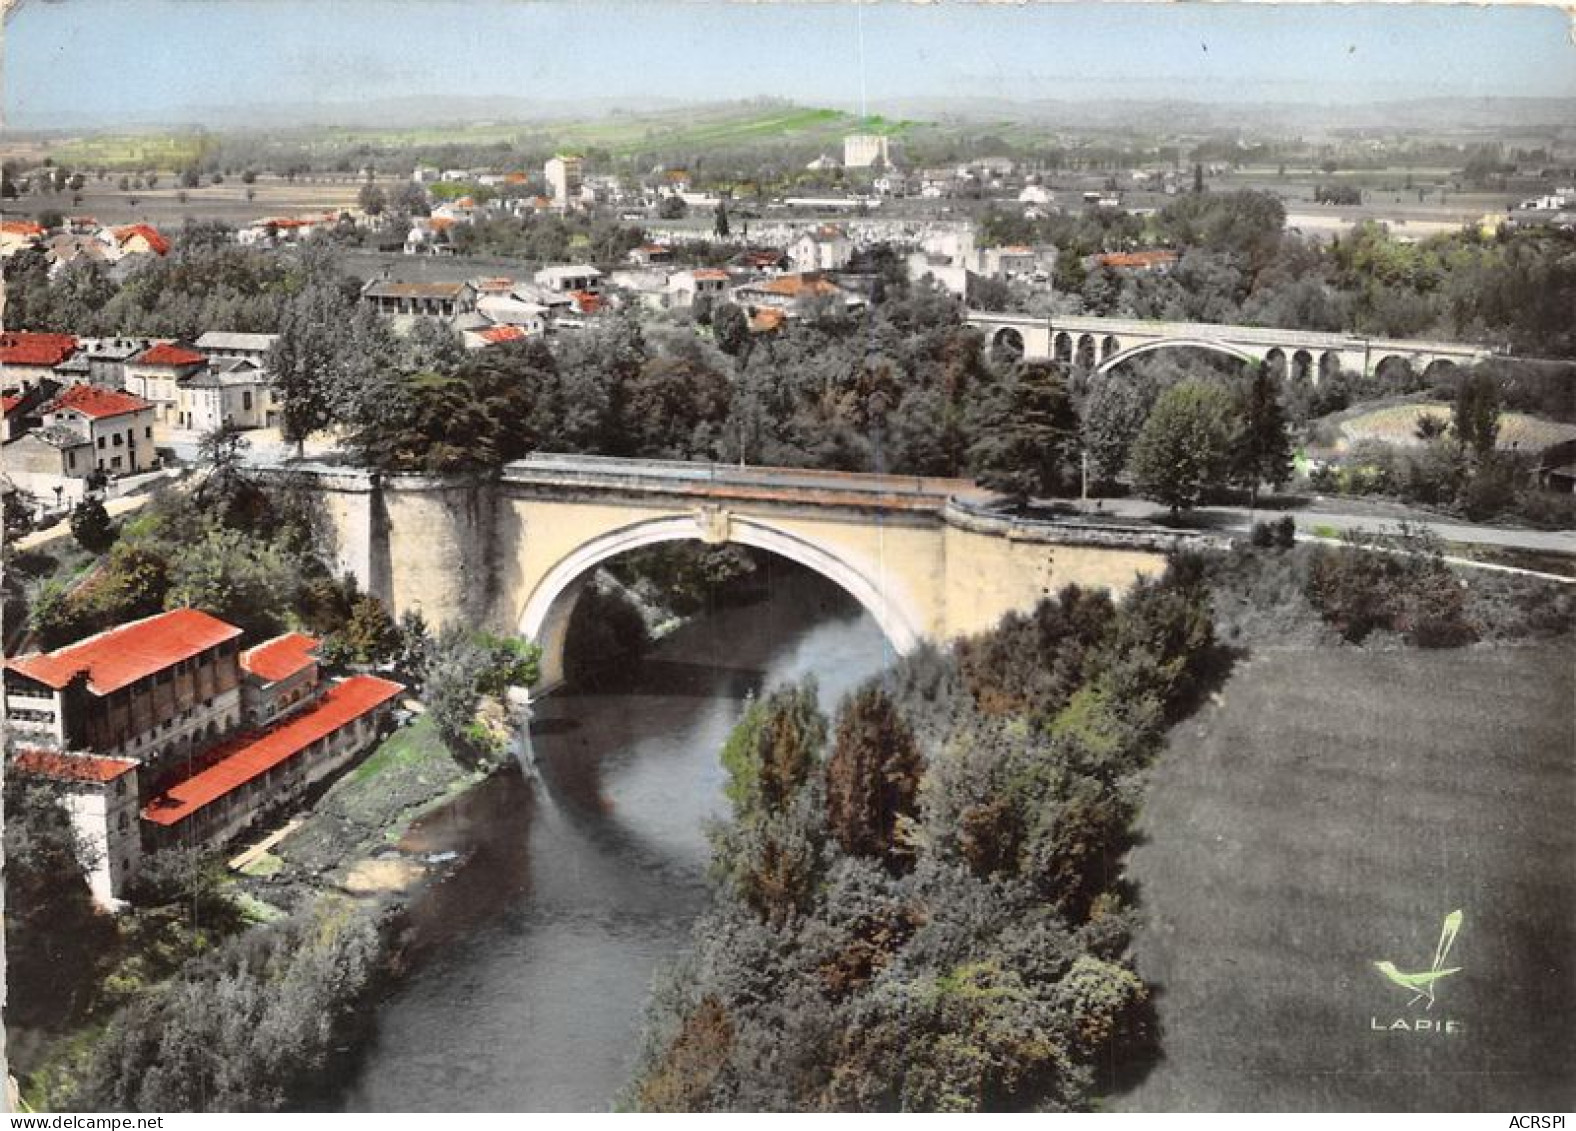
[564,176]
[861,151]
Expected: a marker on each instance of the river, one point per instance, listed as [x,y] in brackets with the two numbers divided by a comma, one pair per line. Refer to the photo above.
[530,967]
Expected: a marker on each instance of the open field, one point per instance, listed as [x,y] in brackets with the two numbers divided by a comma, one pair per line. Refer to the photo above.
[163,207]
[1397,424]
[1329,812]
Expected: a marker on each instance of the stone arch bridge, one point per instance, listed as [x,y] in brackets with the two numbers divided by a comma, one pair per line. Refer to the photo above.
[1101,344]
[926,558]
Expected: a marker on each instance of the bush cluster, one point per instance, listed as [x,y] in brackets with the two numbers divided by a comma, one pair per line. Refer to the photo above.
[918,903]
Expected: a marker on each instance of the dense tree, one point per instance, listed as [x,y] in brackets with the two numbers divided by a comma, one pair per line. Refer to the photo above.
[91,525]
[731,327]
[461,668]
[305,358]
[872,777]
[1262,452]
[1024,449]
[372,199]
[237,577]
[1186,445]
[1475,413]
[1113,415]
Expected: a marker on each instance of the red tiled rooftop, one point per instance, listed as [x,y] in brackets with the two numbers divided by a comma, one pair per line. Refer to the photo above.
[22,348]
[586,302]
[156,242]
[796,285]
[71,767]
[1136,258]
[168,353]
[21,228]
[123,655]
[281,657]
[8,403]
[709,273]
[251,756]
[500,334]
[90,400]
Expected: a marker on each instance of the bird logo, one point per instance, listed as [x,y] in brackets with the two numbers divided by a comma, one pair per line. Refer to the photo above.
[1422,984]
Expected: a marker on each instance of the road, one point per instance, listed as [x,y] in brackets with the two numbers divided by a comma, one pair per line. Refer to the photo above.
[1321,516]
[1316,516]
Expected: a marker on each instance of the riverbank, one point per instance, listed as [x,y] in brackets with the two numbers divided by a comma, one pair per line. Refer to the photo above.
[344,864]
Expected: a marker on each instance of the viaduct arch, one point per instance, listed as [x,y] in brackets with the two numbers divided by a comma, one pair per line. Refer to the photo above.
[1101,344]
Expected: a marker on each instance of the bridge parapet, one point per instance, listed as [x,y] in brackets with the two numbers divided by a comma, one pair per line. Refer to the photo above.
[967,515]
[609,474]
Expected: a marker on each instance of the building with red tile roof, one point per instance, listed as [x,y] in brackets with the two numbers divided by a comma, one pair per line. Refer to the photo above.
[1136,260]
[117,426]
[15,235]
[254,772]
[155,375]
[170,354]
[136,238]
[282,657]
[278,674]
[141,724]
[497,335]
[97,403]
[101,798]
[84,768]
[27,358]
[157,690]
[120,656]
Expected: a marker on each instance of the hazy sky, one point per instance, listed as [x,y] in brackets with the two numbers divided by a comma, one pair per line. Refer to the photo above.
[99,62]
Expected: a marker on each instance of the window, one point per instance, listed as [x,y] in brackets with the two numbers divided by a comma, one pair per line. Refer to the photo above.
[71,460]
[101,442]
[118,441]
[148,432]
[246,400]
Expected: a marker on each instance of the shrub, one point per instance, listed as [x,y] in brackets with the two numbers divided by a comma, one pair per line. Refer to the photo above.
[1400,584]
[91,526]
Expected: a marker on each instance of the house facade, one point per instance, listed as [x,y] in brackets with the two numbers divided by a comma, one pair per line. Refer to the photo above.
[100,796]
[117,426]
[155,375]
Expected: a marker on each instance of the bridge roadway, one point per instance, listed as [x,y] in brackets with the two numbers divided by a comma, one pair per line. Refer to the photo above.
[1101,344]
[927,558]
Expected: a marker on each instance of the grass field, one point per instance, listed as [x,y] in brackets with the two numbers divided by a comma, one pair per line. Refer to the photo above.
[1329,812]
[1397,424]
[164,208]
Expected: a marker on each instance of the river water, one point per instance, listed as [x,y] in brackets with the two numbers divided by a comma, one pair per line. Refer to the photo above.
[530,967]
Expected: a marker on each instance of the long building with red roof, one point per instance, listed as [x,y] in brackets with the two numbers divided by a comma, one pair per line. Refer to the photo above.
[155,689]
[261,770]
[143,728]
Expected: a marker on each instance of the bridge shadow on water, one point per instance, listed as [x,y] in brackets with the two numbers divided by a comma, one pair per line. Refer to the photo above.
[667,677]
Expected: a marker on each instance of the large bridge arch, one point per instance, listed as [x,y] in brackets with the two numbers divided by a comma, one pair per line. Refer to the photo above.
[1131,352]
[545,616]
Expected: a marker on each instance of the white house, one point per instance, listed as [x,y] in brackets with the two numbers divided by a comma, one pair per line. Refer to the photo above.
[821,249]
[569,277]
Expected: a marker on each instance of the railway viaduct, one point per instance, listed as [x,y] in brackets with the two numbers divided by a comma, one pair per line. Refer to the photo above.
[1101,344]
